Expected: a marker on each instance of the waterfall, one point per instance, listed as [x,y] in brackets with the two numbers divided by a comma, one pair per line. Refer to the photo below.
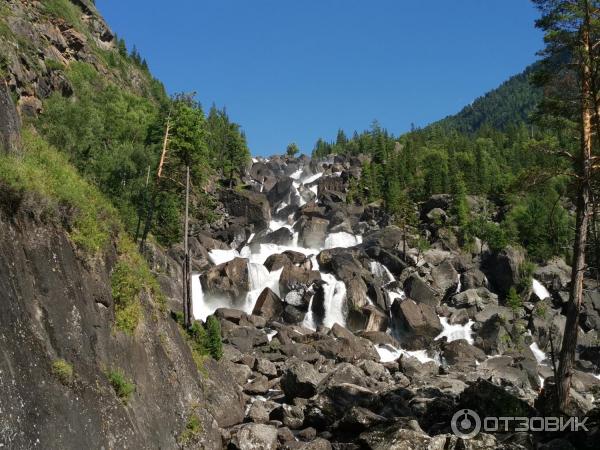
[539,289]
[456,331]
[335,296]
[388,353]
[342,239]
[382,272]
[537,352]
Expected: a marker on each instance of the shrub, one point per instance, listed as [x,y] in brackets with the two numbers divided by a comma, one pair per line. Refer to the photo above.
[131,277]
[63,371]
[214,344]
[193,429]
[42,169]
[513,300]
[122,386]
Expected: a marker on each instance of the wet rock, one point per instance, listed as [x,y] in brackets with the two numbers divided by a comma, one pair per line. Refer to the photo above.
[292,314]
[313,232]
[282,236]
[463,353]
[268,305]
[230,279]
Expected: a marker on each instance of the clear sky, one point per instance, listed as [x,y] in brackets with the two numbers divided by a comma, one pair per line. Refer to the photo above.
[296,70]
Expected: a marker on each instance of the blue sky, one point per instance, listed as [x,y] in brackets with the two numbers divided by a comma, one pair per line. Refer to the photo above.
[298,70]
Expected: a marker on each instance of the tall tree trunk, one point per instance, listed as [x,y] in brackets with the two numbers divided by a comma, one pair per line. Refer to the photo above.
[569,342]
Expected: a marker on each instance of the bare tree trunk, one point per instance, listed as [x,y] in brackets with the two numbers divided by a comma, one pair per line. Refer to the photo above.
[152,202]
[187,310]
[569,342]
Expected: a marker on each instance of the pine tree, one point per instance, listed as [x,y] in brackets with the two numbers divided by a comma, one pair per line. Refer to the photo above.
[572,35]
[460,209]
[214,342]
[292,149]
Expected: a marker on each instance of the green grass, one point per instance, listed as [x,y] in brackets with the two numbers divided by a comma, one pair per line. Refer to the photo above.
[122,386]
[53,64]
[63,9]
[131,277]
[193,430]
[44,170]
[62,370]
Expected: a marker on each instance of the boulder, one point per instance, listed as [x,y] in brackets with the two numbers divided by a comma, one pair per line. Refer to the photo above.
[230,279]
[415,319]
[268,305]
[473,279]
[478,298]
[313,232]
[299,379]
[463,353]
[291,416]
[280,191]
[556,274]
[445,277]
[281,236]
[490,400]
[420,291]
[251,205]
[502,269]
[256,436]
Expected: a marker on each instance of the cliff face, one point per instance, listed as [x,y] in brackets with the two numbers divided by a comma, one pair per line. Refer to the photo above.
[38,40]
[55,305]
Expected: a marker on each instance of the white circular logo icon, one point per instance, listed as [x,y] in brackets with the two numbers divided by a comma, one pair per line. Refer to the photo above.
[466,423]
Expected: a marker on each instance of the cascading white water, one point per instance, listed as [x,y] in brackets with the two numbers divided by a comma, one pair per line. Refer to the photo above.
[382,272]
[335,294]
[457,331]
[539,354]
[342,239]
[539,289]
[260,278]
[387,353]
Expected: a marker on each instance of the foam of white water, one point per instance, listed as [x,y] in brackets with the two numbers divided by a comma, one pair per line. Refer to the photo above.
[457,331]
[537,352]
[458,285]
[381,271]
[314,190]
[297,174]
[387,353]
[312,178]
[280,207]
[219,256]
[335,294]
[271,335]
[539,289]
[342,239]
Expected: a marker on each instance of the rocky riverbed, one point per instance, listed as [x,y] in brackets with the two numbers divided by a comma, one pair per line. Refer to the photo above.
[341,332]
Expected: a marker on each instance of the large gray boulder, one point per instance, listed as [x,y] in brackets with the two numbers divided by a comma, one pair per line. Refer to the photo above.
[268,305]
[299,380]
[415,319]
[229,279]
[256,436]
[502,269]
[253,206]
[420,291]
